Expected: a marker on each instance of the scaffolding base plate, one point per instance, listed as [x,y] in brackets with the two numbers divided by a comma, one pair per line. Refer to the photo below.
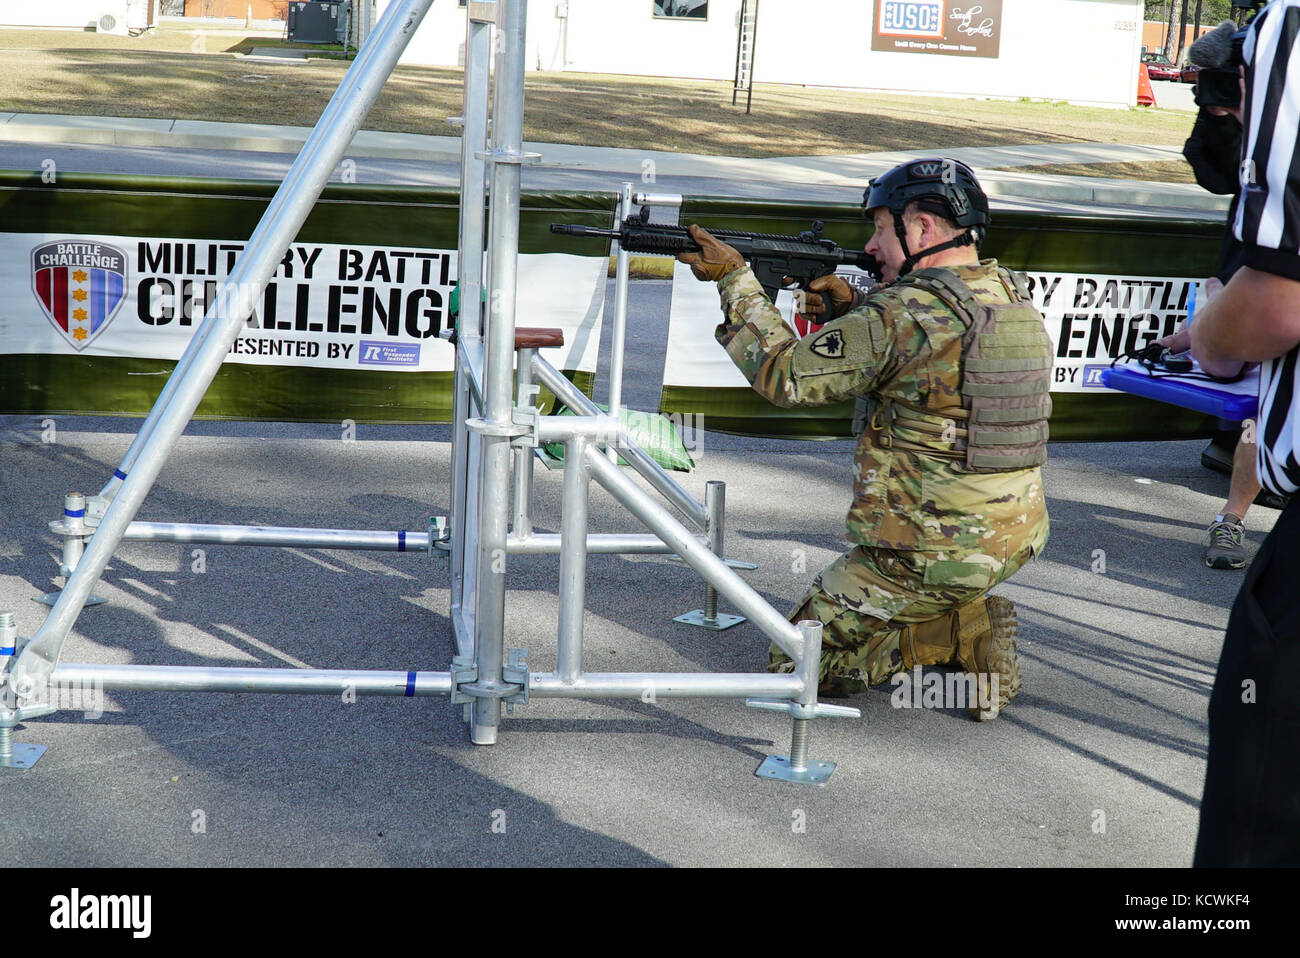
[723,621]
[778,767]
[24,756]
[52,597]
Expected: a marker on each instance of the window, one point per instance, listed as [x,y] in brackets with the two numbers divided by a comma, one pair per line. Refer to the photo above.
[682,9]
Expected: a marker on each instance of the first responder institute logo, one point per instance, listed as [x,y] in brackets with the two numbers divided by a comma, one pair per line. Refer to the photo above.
[80,286]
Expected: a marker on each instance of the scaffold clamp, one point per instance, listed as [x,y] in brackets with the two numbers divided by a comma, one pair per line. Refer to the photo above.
[527,416]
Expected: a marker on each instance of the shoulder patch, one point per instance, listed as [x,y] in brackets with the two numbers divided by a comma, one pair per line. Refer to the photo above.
[829,345]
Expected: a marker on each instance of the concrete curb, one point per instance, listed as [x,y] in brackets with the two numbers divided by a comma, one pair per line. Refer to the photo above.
[199,134]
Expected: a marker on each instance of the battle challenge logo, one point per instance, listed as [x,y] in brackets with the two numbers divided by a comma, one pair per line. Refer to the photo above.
[80,286]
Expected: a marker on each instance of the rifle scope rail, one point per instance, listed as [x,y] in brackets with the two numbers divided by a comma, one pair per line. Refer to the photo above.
[668,240]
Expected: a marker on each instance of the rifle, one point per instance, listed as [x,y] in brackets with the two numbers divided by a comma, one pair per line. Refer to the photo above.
[803,258]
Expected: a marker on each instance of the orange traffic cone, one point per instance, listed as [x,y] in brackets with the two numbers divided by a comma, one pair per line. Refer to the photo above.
[1146,96]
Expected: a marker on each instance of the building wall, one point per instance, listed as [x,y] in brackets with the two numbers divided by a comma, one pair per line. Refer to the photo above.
[824,43]
[1153,36]
[262,9]
[60,13]
[440,40]
[623,37]
[1030,62]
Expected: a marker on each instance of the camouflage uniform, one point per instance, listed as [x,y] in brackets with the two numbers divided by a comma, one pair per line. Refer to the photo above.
[931,540]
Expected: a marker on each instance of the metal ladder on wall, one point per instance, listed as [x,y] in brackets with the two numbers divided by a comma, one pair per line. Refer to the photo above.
[746,38]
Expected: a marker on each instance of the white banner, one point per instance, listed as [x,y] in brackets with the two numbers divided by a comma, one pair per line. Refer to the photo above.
[694,356]
[329,305]
[1092,318]
[1095,318]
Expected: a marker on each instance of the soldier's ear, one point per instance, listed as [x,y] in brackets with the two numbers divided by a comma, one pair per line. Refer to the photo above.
[927,224]
[935,229]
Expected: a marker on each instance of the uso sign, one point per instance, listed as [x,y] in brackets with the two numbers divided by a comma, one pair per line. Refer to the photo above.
[965,28]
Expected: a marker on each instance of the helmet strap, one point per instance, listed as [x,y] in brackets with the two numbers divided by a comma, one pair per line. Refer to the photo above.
[901,232]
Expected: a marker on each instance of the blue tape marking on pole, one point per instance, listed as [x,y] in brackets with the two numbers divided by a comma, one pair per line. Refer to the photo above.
[118,473]
[9,651]
[401,540]
[410,684]
[74,513]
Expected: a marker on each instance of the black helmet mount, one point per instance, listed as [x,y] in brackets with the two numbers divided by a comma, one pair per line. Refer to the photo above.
[938,185]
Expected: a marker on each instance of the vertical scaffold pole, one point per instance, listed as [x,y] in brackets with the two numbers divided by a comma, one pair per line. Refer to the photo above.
[466,446]
[573,561]
[494,506]
[715,506]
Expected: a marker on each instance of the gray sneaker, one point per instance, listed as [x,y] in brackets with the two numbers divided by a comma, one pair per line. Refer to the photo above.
[1226,543]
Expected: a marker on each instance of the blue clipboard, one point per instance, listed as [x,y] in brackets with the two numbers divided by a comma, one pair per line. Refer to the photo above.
[1199,395]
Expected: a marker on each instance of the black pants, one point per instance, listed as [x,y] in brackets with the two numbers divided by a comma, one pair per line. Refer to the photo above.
[1250,813]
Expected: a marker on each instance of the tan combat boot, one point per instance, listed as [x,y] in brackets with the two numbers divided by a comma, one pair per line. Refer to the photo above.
[992,652]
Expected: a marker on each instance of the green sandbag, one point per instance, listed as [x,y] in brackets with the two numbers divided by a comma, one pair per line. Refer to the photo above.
[656,434]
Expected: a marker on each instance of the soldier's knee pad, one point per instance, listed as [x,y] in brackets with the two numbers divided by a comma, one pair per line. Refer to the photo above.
[940,640]
[929,643]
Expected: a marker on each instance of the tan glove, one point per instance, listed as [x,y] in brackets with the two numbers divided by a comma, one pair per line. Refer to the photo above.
[715,260]
[842,298]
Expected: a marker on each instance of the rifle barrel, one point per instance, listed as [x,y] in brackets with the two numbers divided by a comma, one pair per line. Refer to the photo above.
[567,229]
[667,240]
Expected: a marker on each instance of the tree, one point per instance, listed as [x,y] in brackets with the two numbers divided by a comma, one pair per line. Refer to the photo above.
[1182,34]
[1208,13]
[1215,11]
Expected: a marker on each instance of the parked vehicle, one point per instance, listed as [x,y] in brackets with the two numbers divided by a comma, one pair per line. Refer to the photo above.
[1159,67]
[1188,73]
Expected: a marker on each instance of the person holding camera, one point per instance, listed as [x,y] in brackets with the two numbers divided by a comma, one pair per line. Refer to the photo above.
[1250,811]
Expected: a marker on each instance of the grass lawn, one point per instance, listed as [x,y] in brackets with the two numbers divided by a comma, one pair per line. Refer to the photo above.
[193,74]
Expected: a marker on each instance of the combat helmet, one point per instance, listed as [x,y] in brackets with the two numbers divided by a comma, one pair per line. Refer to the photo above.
[939,185]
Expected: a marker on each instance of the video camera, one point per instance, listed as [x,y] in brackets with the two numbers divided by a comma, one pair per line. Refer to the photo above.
[1221,86]
[1219,55]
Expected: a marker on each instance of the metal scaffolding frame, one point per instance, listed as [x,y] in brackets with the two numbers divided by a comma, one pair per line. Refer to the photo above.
[494,441]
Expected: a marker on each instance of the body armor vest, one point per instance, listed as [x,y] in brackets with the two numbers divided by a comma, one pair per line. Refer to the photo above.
[1001,425]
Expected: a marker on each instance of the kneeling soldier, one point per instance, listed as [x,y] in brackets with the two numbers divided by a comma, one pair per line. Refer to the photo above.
[953,365]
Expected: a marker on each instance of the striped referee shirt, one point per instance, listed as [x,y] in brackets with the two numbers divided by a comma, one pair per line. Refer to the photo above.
[1268,218]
